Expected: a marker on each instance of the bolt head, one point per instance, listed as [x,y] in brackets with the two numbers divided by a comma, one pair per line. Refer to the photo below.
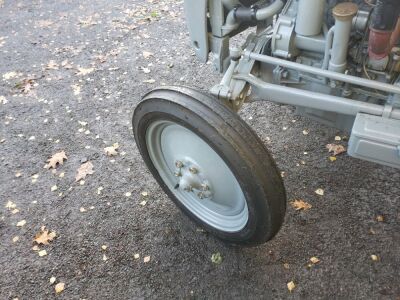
[205,187]
[193,170]
[179,164]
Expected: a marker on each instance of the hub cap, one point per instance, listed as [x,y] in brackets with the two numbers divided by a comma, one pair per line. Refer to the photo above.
[197,175]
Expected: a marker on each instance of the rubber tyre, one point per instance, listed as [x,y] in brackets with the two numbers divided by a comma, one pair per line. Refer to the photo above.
[234,141]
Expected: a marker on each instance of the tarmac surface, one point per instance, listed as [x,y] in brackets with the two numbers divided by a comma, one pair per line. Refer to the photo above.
[71,73]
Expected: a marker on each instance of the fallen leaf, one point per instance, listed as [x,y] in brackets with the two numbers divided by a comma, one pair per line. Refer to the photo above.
[52,65]
[286,266]
[144,194]
[35,248]
[291,286]
[57,158]
[149,81]
[136,256]
[147,54]
[14,211]
[374,257]
[300,205]
[104,247]
[10,205]
[380,218]
[10,75]
[143,203]
[76,89]
[216,258]
[146,259]
[84,71]
[82,209]
[44,236]
[305,132]
[105,257]
[3,100]
[59,287]
[338,138]
[128,194]
[66,65]
[314,260]
[332,158]
[42,253]
[336,149]
[52,279]
[21,223]
[84,169]
[319,192]
[15,239]
[54,188]
[112,150]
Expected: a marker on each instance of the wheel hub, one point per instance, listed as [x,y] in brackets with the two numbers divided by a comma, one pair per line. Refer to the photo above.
[192,179]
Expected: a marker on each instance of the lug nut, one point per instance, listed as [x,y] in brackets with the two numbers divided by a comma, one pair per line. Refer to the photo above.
[179,164]
[205,187]
[193,170]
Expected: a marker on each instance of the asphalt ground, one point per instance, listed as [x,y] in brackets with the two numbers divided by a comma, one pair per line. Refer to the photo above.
[71,73]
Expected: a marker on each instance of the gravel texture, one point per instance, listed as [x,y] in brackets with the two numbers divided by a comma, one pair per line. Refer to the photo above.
[47,105]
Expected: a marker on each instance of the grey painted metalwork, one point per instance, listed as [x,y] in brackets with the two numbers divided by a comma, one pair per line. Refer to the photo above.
[293,96]
[324,73]
[297,57]
[309,17]
[196,11]
[197,175]
[376,139]
[328,46]
[341,37]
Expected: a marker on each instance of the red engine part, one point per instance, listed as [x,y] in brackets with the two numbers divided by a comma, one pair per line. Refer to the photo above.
[379,43]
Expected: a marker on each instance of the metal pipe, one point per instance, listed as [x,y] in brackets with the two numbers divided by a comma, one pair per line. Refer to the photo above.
[270,10]
[328,46]
[309,17]
[343,13]
[311,43]
[298,97]
[232,23]
[324,73]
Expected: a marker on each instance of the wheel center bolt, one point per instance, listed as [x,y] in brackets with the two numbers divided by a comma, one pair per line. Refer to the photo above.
[179,164]
[193,170]
[191,179]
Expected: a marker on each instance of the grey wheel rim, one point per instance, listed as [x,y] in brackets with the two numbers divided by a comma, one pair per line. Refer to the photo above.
[197,176]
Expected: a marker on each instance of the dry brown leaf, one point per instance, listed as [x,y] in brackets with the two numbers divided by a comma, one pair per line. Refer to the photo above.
[291,286]
[44,236]
[314,260]
[57,158]
[112,150]
[21,223]
[84,170]
[336,149]
[10,205]
[59,287]
[147,54]
[300,204]
[52,65]
[380,218]
[84,71]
